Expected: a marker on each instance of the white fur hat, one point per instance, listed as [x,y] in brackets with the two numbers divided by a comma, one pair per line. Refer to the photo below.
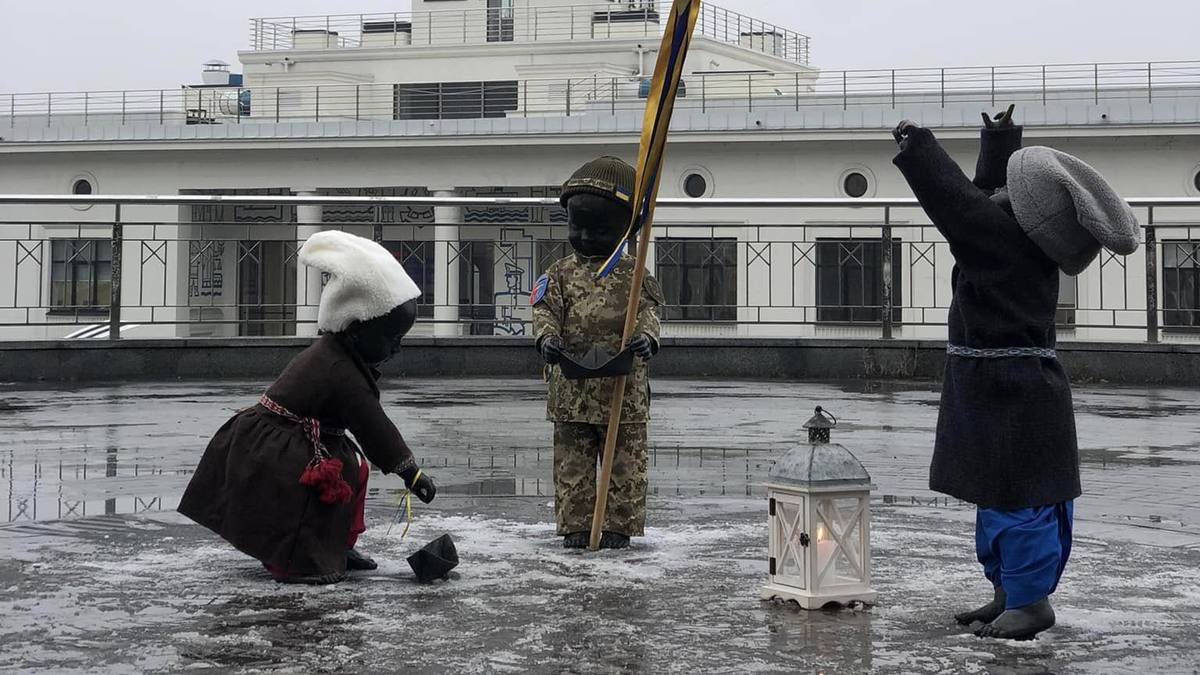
[365,280]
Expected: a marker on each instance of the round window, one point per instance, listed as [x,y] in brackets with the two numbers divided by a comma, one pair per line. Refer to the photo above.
[695,185]
[1196,181]
[83,183]
[855,184]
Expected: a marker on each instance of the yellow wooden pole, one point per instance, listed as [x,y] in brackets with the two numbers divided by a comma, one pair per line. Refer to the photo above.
[618,397]
[659,104]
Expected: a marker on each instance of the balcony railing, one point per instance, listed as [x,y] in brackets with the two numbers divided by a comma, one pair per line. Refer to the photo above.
[522,24]
[1046,87]
[769,267]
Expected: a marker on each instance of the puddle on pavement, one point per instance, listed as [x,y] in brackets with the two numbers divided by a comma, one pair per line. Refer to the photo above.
[80,483]
[1151,456]
[132,448]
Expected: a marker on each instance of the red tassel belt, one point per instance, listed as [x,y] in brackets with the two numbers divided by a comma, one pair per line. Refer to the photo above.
[324,471]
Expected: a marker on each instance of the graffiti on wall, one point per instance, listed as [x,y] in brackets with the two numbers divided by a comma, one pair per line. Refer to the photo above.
[515,250]
[509,300]
[392,214]
[206,274]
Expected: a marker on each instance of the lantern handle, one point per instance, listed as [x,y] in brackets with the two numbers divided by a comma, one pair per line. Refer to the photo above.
[822,411]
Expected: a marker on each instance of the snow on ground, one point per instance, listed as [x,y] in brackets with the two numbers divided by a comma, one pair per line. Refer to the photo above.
[163,594]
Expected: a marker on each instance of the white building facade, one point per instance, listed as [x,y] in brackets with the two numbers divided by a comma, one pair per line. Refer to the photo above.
[498,98]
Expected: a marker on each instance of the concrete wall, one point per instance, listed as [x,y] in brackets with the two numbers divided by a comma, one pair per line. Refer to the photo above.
[741,165]
[751,359]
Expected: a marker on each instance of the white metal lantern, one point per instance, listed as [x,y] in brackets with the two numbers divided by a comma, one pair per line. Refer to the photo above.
[820,523]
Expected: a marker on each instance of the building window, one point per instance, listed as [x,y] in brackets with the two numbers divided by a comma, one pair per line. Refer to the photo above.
[855,184]
[454,100]
[1068,293]
[644,89]
[82,184]
[698,277]
[266,288]
[81,275]
[417,101]
[695,185]
[499,20]
[633,12]
[1181,283]
[850,281]
[1196,181]
[499,98]
[417,258]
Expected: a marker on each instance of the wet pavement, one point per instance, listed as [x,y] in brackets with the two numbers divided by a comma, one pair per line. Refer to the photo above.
[99,573]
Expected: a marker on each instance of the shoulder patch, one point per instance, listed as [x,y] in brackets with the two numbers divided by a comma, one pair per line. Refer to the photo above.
[539,289]
[654,289]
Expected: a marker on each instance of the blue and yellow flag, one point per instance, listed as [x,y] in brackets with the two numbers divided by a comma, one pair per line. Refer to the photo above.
[659,104]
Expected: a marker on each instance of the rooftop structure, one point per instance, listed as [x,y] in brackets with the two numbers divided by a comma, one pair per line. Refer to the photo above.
[496,22]
[542,67]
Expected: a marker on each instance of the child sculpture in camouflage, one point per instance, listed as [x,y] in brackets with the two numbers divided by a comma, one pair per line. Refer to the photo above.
[579,319]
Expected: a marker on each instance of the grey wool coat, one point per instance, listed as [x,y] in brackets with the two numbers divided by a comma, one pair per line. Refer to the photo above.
[1006,427]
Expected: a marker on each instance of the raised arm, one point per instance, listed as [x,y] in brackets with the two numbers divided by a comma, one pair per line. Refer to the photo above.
[961,211]
[998,140]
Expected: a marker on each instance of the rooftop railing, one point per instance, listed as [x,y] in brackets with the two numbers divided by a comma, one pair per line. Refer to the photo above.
[519,22]
[594,95]
[776,267]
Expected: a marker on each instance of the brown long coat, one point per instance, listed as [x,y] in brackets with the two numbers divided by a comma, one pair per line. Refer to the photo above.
[247,487]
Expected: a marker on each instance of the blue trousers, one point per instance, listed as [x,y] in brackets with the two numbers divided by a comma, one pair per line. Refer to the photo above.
[1024,551]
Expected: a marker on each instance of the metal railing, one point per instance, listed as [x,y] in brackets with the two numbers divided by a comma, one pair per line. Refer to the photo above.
[519,22]
[770,267]
[592,95]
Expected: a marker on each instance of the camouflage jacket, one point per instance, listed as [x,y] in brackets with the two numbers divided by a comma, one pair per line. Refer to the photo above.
[584,311]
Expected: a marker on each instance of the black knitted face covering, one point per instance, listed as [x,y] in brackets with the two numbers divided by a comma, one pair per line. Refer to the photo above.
[377,340]
[595,224]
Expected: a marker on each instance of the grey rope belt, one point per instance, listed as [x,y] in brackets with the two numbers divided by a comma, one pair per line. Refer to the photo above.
[1000,352]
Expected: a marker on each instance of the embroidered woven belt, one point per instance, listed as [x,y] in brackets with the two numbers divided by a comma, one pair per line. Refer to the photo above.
[312,426]
[1001,352]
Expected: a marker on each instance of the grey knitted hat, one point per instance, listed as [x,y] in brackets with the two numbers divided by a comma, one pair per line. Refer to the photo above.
[1068,209]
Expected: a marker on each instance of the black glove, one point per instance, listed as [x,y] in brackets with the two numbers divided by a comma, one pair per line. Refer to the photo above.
[1002,120]
[900,133]
[552,349]
[419,483]
[642,346]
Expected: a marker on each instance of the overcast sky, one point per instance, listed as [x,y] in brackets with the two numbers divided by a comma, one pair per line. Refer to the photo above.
[64,45]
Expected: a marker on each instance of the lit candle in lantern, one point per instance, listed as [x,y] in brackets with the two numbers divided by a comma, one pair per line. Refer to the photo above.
[825,550]
[812,487]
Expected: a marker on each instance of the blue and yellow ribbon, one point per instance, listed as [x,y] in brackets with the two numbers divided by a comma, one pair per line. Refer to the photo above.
[659,104]
[405,501]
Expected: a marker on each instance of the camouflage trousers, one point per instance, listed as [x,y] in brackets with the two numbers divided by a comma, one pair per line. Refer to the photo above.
[578,449]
